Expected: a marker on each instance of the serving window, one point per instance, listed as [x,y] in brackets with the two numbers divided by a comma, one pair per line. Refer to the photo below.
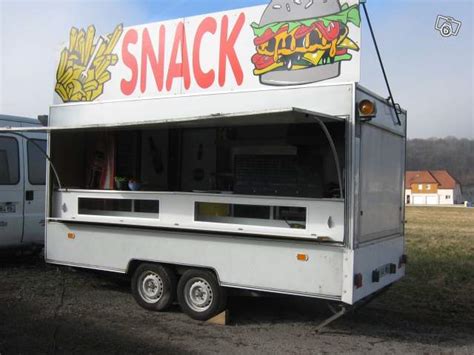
[119,207]
[291,159]
[241,175]
[257,215]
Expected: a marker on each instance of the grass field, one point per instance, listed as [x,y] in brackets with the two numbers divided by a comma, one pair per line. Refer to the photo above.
[439,285]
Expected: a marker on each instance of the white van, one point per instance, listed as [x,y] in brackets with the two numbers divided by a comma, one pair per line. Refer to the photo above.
[22,185]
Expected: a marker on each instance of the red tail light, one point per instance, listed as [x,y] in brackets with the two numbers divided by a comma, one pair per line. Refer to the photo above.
[358,280]
[402,261]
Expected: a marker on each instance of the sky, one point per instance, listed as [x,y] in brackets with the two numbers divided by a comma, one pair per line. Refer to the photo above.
[431,76]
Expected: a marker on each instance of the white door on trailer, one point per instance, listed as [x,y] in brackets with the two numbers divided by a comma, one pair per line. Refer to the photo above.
[381,176]
[11,191]
[35,177]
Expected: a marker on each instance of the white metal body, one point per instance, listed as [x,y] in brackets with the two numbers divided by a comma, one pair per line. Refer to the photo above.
[22,217]
[150,86]
[368,233]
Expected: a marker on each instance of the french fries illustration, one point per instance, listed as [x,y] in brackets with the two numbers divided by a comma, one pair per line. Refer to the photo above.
[83,65]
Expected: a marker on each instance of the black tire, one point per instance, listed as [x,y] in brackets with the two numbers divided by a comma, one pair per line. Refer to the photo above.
[213,296]
[154,286]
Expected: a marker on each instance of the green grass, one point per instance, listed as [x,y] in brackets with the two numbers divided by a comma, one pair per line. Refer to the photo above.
[439,284]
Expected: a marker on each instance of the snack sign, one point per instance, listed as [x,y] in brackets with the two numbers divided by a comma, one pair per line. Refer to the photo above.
[287,43]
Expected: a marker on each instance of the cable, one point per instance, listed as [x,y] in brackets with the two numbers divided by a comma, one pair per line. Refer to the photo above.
[381,64]
[32,140]
[334,153]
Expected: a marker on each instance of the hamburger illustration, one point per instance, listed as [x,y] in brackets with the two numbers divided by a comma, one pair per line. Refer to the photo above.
[303,41]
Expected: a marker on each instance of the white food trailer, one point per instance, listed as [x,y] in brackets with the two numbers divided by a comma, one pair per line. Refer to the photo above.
[228,150]
[22,185]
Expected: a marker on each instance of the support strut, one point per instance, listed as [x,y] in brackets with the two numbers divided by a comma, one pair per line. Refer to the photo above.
[344,309]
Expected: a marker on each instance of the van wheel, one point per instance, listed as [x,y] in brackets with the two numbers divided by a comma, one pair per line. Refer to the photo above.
[154,286]
[200,295]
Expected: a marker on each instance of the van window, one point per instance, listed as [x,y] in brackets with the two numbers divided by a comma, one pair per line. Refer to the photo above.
[9,161]
[36,162]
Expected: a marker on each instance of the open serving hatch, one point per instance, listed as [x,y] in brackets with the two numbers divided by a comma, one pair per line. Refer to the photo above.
[270,173]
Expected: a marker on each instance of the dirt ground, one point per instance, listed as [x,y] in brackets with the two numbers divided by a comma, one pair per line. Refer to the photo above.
[47,309]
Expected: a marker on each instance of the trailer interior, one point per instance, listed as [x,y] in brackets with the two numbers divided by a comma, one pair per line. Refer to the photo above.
[244,175]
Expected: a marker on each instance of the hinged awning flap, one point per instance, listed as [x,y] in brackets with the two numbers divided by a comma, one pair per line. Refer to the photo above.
[281,115]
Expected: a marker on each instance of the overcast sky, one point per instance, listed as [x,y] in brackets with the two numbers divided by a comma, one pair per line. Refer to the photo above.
[431,76]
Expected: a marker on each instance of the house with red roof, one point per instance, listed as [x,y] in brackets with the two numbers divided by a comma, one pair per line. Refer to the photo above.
[431,187]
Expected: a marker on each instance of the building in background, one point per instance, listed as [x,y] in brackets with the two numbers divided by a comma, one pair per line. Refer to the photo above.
[431,187]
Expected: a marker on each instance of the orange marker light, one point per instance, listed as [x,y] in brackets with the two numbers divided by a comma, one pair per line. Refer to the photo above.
[367,108]
[71,236]
[302,257]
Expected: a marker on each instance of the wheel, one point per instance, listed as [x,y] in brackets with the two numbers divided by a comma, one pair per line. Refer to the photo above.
[200,295]
[154,286]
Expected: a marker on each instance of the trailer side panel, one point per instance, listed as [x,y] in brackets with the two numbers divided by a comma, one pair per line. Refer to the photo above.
[241,262]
